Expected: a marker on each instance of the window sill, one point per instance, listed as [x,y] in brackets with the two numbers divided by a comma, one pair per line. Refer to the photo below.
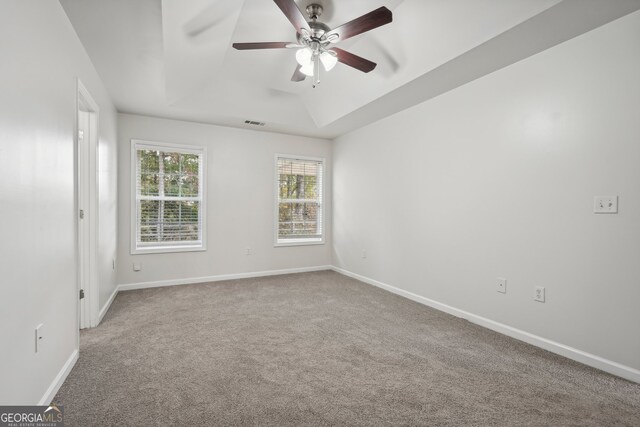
[167,249]
[298,242]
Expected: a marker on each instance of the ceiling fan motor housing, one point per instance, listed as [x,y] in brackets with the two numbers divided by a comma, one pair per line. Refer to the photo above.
[318,29]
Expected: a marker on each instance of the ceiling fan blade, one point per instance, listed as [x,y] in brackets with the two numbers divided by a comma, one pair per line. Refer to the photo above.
[355,61]
[366,22]
[208,18]
[293,14]
[261,45]
[297,75]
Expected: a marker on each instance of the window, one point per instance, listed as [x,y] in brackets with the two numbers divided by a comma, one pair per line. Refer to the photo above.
[168,205]
[299,219]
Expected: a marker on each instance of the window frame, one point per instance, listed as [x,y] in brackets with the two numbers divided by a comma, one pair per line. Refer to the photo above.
[134,225]
[277,242]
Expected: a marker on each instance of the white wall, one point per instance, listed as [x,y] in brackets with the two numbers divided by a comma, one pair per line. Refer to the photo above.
[497,178]
[239,198]
[40,58]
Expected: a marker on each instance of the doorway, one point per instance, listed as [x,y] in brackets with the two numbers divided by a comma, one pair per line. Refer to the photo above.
[87,208]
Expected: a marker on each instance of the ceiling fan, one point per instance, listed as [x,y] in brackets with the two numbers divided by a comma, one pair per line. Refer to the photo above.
[314,40]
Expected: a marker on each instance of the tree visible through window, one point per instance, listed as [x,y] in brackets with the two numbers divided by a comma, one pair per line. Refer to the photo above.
[299,200]
[168,197]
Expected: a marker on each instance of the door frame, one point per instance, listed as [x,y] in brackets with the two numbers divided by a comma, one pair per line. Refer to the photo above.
[87,201]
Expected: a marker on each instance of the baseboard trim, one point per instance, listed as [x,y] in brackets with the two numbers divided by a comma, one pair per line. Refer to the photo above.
[59,379]
[106,306]
[193,280]
[589,359]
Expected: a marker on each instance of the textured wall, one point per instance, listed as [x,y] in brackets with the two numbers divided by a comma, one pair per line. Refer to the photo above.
[497,179]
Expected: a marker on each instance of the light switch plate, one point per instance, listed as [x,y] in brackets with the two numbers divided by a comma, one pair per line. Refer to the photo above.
[605,204]
[501,285]
[39,336]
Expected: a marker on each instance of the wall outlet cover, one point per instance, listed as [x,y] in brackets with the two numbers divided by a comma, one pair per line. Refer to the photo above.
[538,294]
[605,204]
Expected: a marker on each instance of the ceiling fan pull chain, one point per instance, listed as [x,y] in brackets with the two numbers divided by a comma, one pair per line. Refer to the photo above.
[316,70]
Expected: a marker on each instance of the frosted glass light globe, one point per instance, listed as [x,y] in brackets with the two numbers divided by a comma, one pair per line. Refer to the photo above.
[329,61]
[303,56]
[307,70]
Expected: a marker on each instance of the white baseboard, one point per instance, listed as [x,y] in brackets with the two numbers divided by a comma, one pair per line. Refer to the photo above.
[592,360]
[59,379]
[192,280]
[106,306]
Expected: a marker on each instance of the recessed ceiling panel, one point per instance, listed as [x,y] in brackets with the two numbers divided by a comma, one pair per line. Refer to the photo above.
[422,36]
[196,36]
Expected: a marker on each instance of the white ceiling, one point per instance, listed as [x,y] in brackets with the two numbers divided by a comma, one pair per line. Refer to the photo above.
[173,58]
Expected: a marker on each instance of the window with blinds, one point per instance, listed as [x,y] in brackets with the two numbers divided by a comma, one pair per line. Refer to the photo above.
[168,210]
[299,218]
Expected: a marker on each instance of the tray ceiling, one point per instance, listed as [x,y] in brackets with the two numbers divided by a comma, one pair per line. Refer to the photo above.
[173,58]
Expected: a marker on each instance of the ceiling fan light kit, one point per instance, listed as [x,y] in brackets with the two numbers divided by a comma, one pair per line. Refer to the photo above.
[307,58]
[314,40]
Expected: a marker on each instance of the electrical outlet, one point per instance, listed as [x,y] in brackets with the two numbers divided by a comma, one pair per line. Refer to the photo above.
[137,266]
[538,294]
[39,336]
[501,285]
[605,204]
[364,253]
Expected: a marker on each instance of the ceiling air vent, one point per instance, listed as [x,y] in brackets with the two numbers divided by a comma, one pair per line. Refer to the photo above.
[254,123]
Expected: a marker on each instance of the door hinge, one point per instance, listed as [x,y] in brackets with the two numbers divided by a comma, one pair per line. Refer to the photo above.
[81,293]
[81,213]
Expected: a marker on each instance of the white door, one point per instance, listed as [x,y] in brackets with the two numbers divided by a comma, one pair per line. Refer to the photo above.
[83,219]
[87,205]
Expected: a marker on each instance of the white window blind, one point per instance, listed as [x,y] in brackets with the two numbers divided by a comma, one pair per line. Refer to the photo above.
[299,200]
[168,197]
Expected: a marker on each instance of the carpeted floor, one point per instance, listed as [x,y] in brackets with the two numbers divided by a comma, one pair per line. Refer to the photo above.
[321,349]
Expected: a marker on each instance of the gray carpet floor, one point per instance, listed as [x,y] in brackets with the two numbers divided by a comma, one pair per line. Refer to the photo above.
[321,349]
